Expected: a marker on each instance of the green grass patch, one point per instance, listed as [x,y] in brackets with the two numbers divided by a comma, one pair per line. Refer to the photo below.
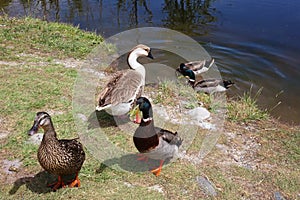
[33,36]
[245,108]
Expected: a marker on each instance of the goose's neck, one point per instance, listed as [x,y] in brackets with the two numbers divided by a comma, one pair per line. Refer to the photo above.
[134,64]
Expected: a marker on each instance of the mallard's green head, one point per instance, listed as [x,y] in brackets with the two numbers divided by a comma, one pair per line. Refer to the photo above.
[145,107]
[182,67]
[188,73]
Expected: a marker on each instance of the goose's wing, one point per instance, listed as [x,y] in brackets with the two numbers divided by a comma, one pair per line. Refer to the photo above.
[124,87]
[104,95]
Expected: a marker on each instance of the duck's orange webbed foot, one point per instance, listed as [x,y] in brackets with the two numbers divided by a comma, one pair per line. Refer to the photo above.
[57,184]
[75,182]
[157,171]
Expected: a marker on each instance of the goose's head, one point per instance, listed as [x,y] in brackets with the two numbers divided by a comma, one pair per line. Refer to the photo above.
[43,120]
[141,50]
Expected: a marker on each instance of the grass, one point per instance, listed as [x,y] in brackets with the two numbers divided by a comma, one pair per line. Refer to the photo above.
[171,93]
[45,38]
[32,80]
[245,108]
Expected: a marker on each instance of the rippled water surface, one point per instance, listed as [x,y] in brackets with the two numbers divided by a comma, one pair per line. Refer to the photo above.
[253,42]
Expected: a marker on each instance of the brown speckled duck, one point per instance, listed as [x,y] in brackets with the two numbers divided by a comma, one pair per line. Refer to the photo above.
[153,142]
[59,157]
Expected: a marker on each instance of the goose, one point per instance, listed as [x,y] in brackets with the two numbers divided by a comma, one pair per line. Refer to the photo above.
[126,86]
[153,142]
[59,157]
[198,67]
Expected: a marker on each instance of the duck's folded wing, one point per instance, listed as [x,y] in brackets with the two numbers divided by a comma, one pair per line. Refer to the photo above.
[208,83]
[73,146]
[196,65]
[169,136]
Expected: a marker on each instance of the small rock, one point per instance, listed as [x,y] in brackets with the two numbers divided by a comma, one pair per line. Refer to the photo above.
[13,169]
[11,166]
[278,196]
[128,184]
[207,125]
[191,158]
[3,135]
[156,188]
[230,135]
[223,148]
[36,138]
[161,112]
[199,114]
[82,117]
[206,186]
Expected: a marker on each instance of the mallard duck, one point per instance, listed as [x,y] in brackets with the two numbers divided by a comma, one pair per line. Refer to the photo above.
[153,142]
[197,67]
[208,86]
[126,86]
[58,157]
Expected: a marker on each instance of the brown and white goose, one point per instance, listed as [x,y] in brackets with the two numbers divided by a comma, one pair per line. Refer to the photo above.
[126,86]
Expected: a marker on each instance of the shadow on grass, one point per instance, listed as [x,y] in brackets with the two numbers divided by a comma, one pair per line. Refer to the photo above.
[130,163]
[37,183]
[103,119]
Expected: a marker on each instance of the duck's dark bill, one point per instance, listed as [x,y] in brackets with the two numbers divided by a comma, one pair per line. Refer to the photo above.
[150,55]
[34,129]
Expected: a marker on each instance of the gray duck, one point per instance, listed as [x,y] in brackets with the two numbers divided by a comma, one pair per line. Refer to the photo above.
[153,142]
[58,157]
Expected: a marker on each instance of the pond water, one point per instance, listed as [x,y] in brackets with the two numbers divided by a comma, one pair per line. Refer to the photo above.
[253,42]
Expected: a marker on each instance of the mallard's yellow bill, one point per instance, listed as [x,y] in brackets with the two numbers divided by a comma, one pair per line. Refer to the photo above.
[134,114]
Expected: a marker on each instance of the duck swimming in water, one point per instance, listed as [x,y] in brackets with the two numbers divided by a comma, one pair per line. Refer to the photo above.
[208,86]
